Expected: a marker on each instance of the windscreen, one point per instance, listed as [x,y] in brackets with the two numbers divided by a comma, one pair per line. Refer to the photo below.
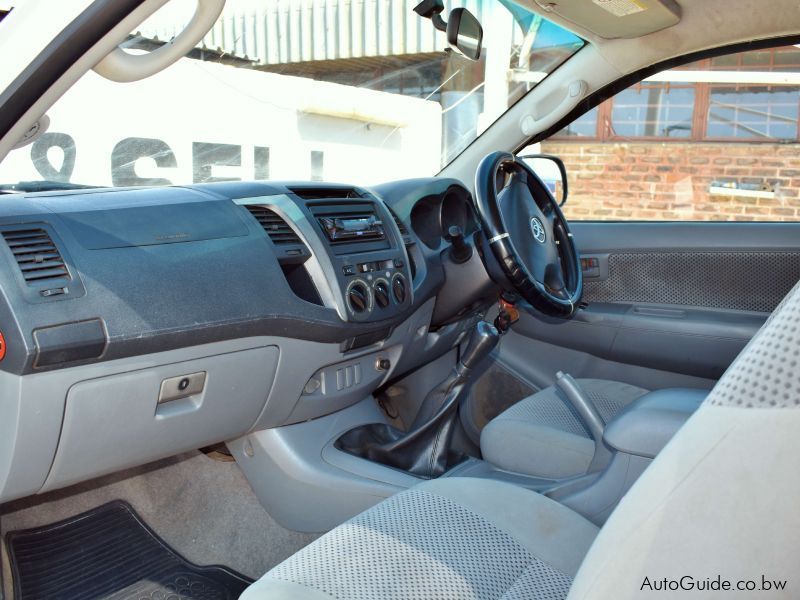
[334,90]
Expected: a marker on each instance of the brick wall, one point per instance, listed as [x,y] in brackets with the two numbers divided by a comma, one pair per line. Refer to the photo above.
[670,181]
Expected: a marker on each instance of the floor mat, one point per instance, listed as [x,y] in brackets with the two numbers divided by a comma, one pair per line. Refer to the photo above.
[109,553]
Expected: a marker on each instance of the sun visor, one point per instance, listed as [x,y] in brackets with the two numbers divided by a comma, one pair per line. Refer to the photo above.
[616,18]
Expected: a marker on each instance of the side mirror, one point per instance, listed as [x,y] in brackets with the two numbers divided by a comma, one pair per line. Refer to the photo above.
[551,171]
[464,33]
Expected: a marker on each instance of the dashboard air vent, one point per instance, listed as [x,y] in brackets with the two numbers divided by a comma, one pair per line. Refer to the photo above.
[400,225]
[277,229]
[36,254]
[325,193]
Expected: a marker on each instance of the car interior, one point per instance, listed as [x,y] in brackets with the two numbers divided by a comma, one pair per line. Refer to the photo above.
[545,369]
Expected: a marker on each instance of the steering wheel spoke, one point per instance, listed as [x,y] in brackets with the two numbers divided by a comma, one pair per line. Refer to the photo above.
[554,279]
[550,217]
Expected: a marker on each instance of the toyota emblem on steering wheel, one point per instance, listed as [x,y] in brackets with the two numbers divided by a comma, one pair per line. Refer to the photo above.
[537,229]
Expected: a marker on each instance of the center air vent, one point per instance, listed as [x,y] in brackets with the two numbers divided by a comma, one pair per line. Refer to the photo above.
[36,254]
[277,229]
[325,193]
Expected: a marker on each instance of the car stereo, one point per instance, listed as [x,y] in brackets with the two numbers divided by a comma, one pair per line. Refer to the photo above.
[351,228]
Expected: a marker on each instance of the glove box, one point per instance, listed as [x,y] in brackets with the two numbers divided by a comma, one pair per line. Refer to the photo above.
[128,419]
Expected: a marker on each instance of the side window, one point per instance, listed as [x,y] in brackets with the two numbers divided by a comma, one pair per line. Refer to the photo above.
[715,140]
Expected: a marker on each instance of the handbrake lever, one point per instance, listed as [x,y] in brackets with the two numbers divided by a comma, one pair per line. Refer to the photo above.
[587,412]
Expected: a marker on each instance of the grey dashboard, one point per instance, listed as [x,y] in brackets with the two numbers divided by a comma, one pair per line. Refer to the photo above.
[273,303]
[104,274]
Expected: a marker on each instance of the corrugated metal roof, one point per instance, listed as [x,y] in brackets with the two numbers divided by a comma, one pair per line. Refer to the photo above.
[315,68]
[298,31]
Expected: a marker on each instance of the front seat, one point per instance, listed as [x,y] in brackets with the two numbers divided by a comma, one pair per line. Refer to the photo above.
[719,503]
[543,436]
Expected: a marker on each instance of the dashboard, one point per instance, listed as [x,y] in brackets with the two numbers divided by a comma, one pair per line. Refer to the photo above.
[137,323]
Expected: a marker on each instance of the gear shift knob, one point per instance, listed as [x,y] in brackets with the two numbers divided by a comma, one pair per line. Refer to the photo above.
[482,341]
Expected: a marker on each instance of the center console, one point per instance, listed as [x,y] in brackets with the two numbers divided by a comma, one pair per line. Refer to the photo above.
[349,244]
[367,254]
[425,449]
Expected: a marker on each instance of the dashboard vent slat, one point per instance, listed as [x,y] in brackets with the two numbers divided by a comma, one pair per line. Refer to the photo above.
[400,225]
[36,254]
[325,193]
[277,229]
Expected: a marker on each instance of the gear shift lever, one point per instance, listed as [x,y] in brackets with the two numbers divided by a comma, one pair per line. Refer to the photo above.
[425,449]
[482,341]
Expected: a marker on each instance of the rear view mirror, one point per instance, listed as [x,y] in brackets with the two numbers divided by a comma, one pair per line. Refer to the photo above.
[551,171]
[464,33]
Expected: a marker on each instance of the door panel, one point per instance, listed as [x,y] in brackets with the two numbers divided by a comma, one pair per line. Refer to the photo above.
[536,363]
[681,298]
[700,343]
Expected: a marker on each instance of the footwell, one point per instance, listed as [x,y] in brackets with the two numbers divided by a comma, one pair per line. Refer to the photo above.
[109,553]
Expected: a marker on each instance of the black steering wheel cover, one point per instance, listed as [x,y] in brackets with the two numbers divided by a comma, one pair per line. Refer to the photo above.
[488,209]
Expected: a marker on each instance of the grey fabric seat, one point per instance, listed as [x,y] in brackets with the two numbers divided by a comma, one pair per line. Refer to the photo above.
[542,435]
[719,501]
[449,539]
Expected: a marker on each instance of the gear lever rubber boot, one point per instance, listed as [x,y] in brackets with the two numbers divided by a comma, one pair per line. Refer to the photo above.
[425,449]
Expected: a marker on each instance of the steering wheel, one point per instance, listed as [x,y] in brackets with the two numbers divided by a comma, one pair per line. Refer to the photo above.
[528,235]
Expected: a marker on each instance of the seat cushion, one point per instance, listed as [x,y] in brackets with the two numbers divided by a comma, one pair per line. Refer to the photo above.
[720,501]
[454,538]
[542,435]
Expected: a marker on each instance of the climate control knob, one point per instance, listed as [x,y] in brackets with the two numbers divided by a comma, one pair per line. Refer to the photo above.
[358,297]
[382,293]
[399,288]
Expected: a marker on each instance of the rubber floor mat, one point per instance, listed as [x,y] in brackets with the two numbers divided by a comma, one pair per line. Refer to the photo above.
[109,553]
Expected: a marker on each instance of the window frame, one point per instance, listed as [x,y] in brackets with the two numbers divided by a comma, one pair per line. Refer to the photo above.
[607,126]
[604,131]
[596,99]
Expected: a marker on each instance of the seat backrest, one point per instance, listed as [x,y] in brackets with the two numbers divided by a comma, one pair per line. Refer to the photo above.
[722,500]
